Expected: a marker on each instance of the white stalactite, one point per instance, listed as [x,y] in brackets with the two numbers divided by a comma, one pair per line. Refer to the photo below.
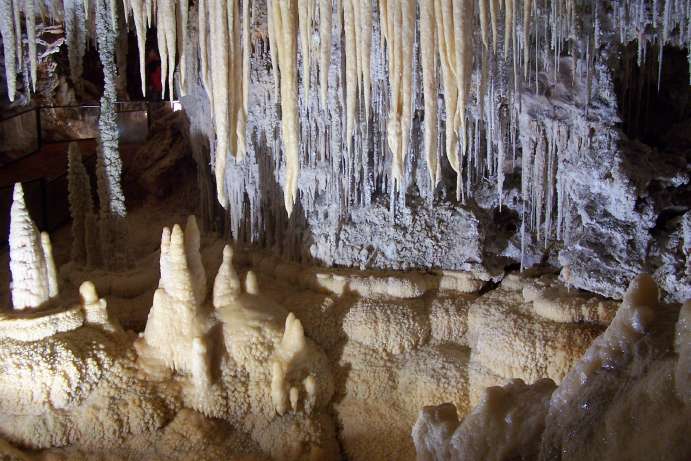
[30,20]
[139,15]
[9,46]
[325,18]
[167,43]
[305,8]
[243,108]
[350,67]
[183,14]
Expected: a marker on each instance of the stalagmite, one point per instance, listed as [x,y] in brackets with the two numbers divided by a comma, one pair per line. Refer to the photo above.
[428,40]
[219,82]
[51,272]
[9,46]
[227,283]
[79,194]
[285,32]
[325,15]
[30,285]
[194,259]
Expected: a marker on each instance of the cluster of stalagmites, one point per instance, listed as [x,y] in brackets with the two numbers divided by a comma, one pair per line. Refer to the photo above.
[237,355]
[587,415]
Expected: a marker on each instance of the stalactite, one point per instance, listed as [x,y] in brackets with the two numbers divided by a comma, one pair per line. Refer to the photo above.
[245,80]
[365,45]
[183,13]
[285,22]
[9,46]
[428,39]
[139,15]
[350,66]
[16,13]
[305,8]
[219,81]
[167,42]
[112,210]
[203,47]
[30,20]
[325,16]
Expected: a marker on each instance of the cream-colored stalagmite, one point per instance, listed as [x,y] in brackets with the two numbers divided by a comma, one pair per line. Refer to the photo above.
[447,59]
[219,64]
[351,67]
[285,22]
[30,20]
[245,88]
[325,14]
[428,55]
[9,47]
[139,14]
[305,11]
[167,46]
[51,271]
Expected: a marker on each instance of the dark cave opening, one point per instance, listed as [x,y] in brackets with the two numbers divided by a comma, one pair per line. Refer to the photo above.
[654,100]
